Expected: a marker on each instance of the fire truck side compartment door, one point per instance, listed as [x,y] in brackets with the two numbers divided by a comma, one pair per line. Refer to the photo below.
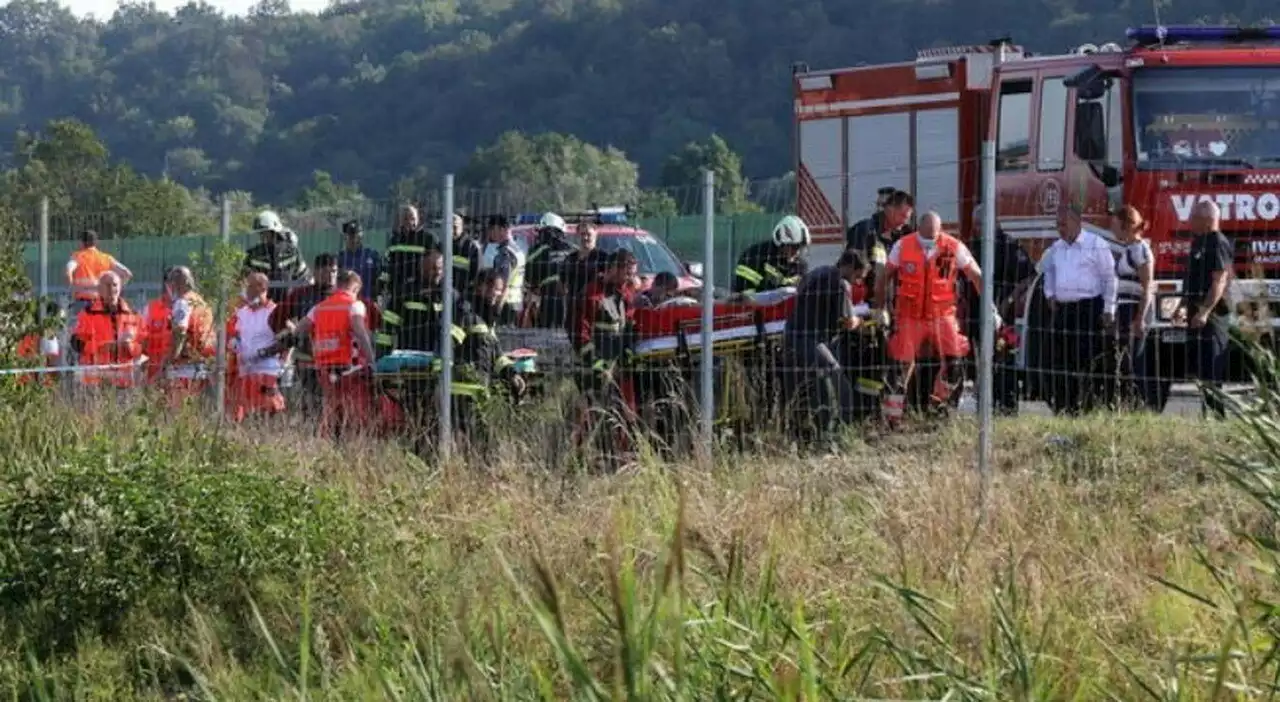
[879,156]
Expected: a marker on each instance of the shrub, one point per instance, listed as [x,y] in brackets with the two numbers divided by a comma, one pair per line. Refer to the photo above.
[117,526]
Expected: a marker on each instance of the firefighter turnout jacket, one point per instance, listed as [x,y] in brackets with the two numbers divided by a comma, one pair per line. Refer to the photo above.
[482,349]
[764,267]
[467,253]
[871,237]
[402,273]
[281,262]
[413,323]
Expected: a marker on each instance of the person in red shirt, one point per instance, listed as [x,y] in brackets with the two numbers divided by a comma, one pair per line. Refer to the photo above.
[157,340]
[108,332]
[342,350]
[602,339]
[601,333]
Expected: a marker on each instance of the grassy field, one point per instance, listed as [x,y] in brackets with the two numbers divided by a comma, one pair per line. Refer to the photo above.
[150,557]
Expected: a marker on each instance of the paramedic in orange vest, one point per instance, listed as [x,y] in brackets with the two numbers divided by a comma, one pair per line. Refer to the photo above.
[108,332]
[88,264]
[254,388]
[925,266]
[193,339]
[341,348]
[157,338]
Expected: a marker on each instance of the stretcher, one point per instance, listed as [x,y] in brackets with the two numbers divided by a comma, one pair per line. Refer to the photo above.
[670,331]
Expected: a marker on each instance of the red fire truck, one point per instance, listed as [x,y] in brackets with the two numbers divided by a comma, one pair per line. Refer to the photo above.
[1184,114]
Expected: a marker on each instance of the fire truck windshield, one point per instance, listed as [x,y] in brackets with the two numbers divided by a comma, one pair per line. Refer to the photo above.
[1207,117]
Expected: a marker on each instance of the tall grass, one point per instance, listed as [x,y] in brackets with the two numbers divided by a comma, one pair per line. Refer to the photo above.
[1120,557]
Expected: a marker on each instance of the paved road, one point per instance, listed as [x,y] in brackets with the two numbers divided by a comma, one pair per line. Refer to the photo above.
[1183,402]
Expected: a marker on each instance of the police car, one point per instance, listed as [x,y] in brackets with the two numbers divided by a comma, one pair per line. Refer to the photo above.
[614,234]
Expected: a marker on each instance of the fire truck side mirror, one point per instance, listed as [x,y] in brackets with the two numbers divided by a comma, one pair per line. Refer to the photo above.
[1090,132]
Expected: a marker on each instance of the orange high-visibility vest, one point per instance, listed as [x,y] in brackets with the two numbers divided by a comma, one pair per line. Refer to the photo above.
[331,338]
[926,286]
[90,265]
[202,339]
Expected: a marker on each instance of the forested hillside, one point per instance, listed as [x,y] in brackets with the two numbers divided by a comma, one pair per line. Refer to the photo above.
[378,90]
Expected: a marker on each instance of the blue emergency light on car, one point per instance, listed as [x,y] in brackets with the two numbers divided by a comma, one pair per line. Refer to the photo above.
[603,215]
[1187,33]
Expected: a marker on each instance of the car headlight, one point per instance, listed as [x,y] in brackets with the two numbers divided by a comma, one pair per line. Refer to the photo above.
[1169,306]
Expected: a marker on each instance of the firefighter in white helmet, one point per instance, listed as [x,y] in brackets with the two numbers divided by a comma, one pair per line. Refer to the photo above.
[776,263]
[545,266]
[277,256]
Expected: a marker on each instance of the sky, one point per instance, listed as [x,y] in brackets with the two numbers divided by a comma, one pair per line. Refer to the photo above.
[103,9]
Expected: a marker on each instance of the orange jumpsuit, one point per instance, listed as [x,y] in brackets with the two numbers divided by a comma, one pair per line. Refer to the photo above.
[925,305]
[108,336]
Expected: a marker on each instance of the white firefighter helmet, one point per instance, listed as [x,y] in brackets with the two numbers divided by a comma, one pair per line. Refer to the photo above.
[551,220]
[791,231]
[267,221]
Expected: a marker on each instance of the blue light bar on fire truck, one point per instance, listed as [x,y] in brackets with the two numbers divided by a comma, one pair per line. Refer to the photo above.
[1187,33]
[602,215]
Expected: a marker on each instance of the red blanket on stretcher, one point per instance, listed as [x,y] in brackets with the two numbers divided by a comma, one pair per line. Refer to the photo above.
[667,321]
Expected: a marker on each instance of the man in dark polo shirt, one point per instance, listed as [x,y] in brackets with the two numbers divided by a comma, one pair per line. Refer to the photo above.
[1204,303]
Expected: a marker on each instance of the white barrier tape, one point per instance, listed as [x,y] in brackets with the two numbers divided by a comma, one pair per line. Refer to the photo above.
[41,370]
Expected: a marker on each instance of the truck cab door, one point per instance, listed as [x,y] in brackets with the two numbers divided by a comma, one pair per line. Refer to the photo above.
[1095,159]
[1031,155]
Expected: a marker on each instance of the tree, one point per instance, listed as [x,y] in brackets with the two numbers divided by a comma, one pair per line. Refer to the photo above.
[70,166]
[65,163]
[325,193]
[551,172]
[684,168]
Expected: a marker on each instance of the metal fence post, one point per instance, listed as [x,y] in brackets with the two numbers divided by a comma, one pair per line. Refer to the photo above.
[44,252]
[220,362]
[986,363]
[446,323]
[708,412]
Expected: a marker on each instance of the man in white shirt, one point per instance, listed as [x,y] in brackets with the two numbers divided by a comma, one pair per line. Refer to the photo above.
[257,383]
[1080,284]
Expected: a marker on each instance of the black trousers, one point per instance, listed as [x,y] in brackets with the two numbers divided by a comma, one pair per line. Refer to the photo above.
[1076,343]
[1207,353]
